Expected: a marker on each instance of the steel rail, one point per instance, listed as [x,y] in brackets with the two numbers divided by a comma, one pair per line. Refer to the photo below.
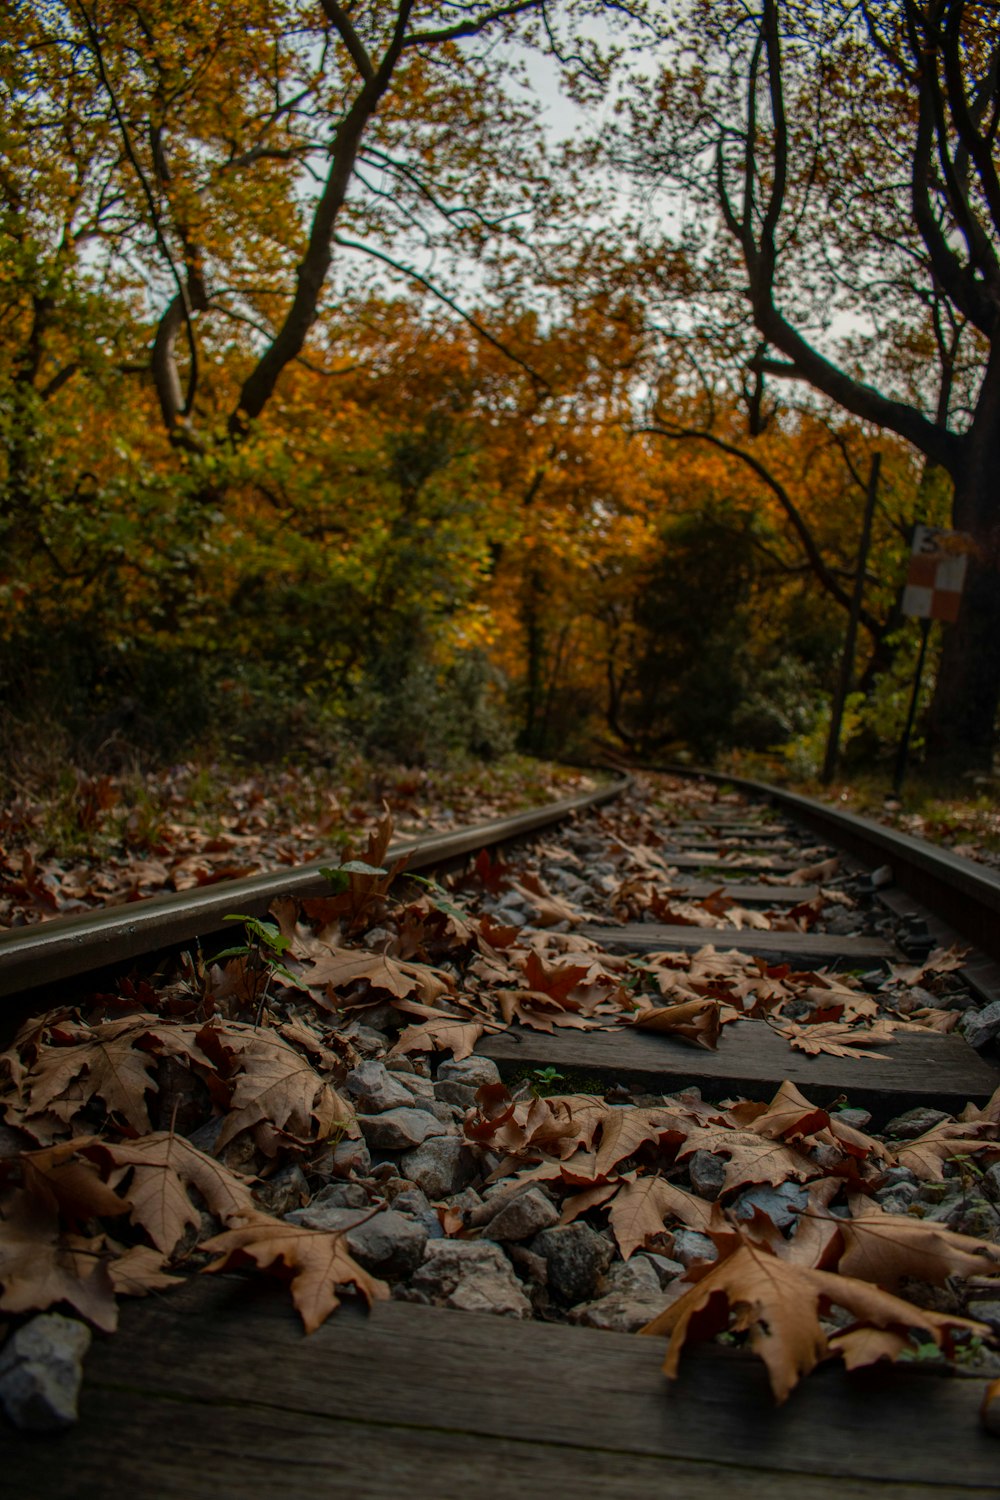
[65,947]
[956,889]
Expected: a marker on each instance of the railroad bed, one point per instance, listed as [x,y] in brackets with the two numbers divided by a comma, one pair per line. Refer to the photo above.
[668,1056]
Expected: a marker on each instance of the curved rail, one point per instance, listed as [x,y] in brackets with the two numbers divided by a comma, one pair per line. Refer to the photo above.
[960,892]
[65,947]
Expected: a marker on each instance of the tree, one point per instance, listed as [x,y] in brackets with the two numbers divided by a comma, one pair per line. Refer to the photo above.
[849,150]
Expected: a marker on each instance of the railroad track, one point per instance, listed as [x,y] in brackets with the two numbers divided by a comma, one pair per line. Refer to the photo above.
[212,1390]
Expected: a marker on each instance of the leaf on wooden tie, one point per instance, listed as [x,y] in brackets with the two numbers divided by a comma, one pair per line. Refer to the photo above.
[442,1034]
[39,1267]
[139,1271]
[314,1261]
[779,1303]
[696,1021]
[836,1040]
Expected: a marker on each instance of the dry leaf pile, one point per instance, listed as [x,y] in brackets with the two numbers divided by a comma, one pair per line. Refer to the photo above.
[159,1131]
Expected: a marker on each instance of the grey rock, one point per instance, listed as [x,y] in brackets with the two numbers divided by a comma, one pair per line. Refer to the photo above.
[351,1159]
[368,1041]
[633,1277]
[915,1122]
[410,1199]
[782,1204]
[285,1191]
[991,1182]
[858,1119]
[373,1089]
[467,1201]
[708,1173]
[826,1156]
[899,1192]
[399,1129]
[41,1369]
[417,1087]
[400,1064]
[511,916]
[891,1204]
[341,1195]
[667,1270]
[441,1166]
[472,1071]
[473,1275]
[576,1257]
[940,1192]
[690,1247]
[530,1267]
[987,1311]
[462,1095]
[522,1216]
[387,1244]
[620,1312]
[893,1176]
[982,1026]
[977,1217]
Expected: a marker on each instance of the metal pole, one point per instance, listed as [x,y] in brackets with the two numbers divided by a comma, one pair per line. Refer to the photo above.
[904,744]
[847,663]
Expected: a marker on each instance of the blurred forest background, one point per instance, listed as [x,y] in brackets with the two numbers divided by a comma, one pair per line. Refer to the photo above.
[429,379]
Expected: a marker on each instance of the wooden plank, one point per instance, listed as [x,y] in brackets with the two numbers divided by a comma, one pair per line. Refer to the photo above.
[752,1060]
[980,972]
[750,895]
[709,859]
[212,1392]
[792,947]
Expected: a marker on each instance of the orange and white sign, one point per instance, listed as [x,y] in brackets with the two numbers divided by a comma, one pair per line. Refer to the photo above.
[937,573]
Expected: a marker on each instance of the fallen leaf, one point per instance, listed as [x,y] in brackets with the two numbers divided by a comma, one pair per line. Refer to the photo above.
[779,1303]
[313,1260]
[642,1206]
[696,1021]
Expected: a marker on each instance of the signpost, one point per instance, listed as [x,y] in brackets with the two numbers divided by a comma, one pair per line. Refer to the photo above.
[933,591]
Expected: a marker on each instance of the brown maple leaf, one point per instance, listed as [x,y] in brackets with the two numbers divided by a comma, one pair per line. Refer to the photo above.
[271,1083]
[884,1248]
[926,1156]
[339,968]
[642,1206]
[779,1304]
[39,1267]
[440,1034]
[625,1129]
[114,1061]
[163,1166]
[314,1261]
[752,1157]
[697,1021]
[837,1040]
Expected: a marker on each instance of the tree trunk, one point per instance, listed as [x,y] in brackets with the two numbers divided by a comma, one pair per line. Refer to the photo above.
[962,719]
